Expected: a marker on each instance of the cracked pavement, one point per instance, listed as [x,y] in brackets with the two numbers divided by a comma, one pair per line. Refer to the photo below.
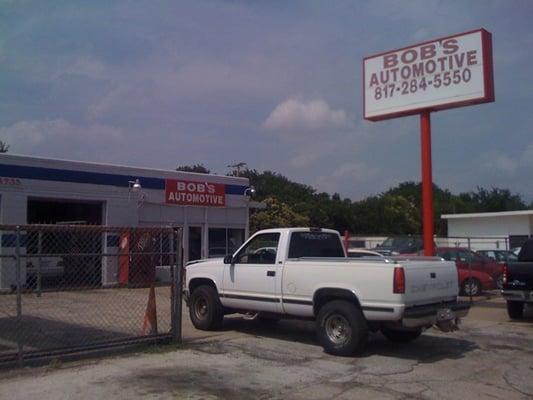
[490,357]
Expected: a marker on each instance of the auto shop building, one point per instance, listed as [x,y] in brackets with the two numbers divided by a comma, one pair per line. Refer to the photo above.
[212,210]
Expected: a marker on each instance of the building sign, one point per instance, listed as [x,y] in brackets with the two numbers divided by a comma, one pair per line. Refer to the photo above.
[10,181]
[444,73]
[195,193]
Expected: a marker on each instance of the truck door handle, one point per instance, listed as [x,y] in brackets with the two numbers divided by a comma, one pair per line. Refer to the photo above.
[271,273]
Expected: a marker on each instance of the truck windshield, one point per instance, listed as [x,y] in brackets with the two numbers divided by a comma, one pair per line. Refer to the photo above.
[315,244]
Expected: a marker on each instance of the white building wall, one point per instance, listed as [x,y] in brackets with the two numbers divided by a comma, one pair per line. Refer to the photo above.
[501,226]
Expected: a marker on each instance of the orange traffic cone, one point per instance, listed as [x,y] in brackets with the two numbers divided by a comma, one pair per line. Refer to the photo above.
[150,316]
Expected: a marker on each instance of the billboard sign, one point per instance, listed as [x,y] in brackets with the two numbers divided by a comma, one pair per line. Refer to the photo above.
[449,72]
[195,193]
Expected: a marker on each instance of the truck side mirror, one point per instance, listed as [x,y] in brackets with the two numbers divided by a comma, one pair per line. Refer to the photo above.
[228,259]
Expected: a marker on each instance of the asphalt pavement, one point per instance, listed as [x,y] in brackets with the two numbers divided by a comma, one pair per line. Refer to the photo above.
[489,357]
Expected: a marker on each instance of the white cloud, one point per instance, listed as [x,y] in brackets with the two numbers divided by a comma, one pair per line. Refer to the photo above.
[59,138]
[499,162]
[87,66]
[294,116]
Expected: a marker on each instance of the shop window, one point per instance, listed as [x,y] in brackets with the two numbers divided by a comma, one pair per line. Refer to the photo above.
[235,239]
[223,241]
[217,242]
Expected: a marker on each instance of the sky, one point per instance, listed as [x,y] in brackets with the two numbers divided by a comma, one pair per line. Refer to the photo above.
[275,84]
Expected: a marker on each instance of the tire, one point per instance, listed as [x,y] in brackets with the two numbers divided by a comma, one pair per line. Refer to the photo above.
[397,336]
[471,287]
[498,281]
[515,309]
[205,310]
[342,328]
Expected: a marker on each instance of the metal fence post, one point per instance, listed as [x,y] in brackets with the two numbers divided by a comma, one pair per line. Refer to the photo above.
[177,291]
[172,268]
[470,272]
[19,300]
[39,260]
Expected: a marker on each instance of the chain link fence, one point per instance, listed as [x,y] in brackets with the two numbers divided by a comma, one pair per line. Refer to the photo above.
[66,289]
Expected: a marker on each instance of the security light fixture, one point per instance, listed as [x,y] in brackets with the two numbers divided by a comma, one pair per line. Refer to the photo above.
[135,185]
[249,191]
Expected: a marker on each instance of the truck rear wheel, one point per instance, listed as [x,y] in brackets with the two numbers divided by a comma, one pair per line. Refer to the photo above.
[205,309]
[515,309]
[398,336]
[342,328]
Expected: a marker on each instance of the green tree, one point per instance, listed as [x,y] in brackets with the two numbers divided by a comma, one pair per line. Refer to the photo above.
[200,168]
[4,147]
[276,215]
[493,200]
[395,211]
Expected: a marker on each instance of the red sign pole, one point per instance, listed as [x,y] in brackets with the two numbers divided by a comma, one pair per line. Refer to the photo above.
[427,183]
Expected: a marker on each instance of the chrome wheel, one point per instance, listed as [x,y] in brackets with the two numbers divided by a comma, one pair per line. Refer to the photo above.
[200,308]
[472,288]
[338,329]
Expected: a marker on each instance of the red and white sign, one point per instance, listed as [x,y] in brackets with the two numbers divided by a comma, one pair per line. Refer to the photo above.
[450,72]
[195,193]
[10,181]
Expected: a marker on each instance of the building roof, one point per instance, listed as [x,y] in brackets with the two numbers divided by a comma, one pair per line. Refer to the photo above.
[487,214]
[49,169]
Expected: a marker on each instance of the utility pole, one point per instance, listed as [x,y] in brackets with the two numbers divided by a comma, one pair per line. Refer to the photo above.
[238,167]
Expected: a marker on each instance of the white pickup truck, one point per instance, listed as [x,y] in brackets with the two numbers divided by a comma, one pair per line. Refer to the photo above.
[304,273]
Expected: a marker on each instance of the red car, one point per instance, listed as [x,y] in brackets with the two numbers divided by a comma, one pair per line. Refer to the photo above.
[467,260]
[473,283]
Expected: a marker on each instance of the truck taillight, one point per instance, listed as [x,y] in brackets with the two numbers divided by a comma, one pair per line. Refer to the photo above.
[504,274]
[398,285]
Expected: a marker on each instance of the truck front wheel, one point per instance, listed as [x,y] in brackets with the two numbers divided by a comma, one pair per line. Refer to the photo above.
[205,309]
[515,309]
[342,328]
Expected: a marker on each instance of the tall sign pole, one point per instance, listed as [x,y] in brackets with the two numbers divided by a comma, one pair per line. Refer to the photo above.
[449,72]
[427,183]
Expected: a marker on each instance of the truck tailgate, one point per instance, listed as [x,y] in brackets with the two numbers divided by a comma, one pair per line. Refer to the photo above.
[429,282]
[519,276]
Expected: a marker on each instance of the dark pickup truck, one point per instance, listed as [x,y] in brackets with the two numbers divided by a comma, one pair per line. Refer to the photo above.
[518,281]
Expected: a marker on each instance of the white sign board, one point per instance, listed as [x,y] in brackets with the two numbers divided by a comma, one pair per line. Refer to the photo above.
[444,73]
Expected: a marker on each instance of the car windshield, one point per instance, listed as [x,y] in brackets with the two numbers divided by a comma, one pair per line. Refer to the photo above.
[396,242]
[506,256]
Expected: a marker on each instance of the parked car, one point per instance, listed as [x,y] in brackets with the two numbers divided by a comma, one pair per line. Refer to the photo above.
[400,245]
[518,282]
[467,259]
[499,255]
[360,253]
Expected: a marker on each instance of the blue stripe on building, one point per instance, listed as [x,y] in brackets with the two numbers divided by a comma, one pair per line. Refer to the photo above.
[95,178]
[10,240]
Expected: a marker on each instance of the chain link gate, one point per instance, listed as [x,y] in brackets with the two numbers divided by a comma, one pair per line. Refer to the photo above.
[74,288]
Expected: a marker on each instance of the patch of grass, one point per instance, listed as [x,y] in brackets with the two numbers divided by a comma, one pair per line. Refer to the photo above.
[56,363]
[161,348]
